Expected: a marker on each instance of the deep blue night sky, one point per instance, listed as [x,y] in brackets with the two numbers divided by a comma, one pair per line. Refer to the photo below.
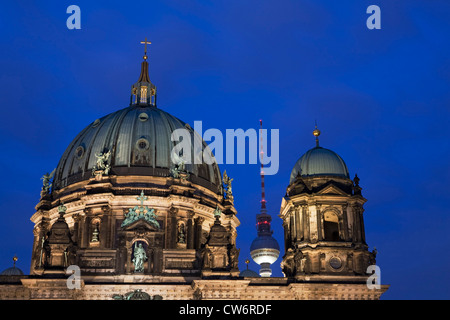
[381,99]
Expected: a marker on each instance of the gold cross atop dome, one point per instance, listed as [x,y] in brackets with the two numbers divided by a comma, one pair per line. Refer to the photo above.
[145,47]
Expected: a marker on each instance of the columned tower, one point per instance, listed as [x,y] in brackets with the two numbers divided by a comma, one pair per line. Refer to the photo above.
[264,249]
[323,222]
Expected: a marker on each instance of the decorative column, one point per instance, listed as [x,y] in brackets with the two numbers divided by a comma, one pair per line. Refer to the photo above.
[157,262]
[190,231]
[85,226]
[298,223]
[287,242]
[319,222]
[129,253]
[292,228]
[198,232]
[357,223]
[173,227]
[76,226]
[149,260]
[306,222]
[363,232]
[345,220]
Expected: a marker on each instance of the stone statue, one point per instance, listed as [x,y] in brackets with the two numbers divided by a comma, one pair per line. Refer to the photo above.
[174,172]
[139,258]
[234,257]
[137,294]
[95,233]
[298,256]
[305,264]
[217,212]
[46,185]
[228,190]
[178,167]
[141,212]
[181,233]
[178,161]
[102,166]
[288,264]
[206,257]
[373,256]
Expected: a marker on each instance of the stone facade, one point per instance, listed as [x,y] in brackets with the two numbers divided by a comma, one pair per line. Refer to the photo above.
[200,289]
[100,245]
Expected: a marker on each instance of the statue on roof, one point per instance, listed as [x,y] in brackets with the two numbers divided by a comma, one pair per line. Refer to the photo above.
[46,184]
[141,212]
[102,166]
[178,167]
[228,190]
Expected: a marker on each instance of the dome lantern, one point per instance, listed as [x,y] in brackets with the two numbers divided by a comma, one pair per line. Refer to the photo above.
[143,92]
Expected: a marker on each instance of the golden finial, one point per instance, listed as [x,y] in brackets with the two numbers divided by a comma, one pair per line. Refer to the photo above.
[316,133]
[145,47]
[247,262]
[15,259]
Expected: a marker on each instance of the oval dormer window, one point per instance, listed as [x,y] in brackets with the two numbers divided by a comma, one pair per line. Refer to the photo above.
[143,117]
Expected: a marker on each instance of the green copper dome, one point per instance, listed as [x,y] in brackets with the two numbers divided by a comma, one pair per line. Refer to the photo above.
[13,271]
[139,141]
[319,162]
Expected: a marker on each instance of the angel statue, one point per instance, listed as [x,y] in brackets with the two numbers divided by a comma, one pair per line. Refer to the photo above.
[178,168]
[227,181]
[46,185]
[178,161]
[102,166]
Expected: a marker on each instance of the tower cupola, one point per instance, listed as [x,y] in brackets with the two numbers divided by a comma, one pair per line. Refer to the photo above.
[143,92]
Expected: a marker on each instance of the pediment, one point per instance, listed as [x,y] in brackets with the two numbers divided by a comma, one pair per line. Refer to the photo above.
[331,189]
[140,224]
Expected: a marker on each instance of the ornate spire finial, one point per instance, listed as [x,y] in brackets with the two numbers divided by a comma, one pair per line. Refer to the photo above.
[316,133]
[145,47]
[15,259]
[143,92]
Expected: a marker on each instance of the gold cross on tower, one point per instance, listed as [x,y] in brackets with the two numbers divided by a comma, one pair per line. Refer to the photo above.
[145,47]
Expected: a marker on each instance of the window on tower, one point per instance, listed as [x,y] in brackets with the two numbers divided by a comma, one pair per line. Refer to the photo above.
[331,226]
[143,95]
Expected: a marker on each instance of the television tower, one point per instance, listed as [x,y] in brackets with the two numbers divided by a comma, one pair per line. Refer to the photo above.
[264,250]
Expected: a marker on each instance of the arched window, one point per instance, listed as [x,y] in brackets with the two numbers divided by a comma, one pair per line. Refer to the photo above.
[143,94]
[331,226]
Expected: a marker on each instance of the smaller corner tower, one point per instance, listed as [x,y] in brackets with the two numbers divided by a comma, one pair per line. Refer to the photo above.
[323,221]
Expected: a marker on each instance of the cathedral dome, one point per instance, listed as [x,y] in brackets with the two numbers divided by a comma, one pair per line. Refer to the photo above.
[319,162]
[12,271]
[139,141]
